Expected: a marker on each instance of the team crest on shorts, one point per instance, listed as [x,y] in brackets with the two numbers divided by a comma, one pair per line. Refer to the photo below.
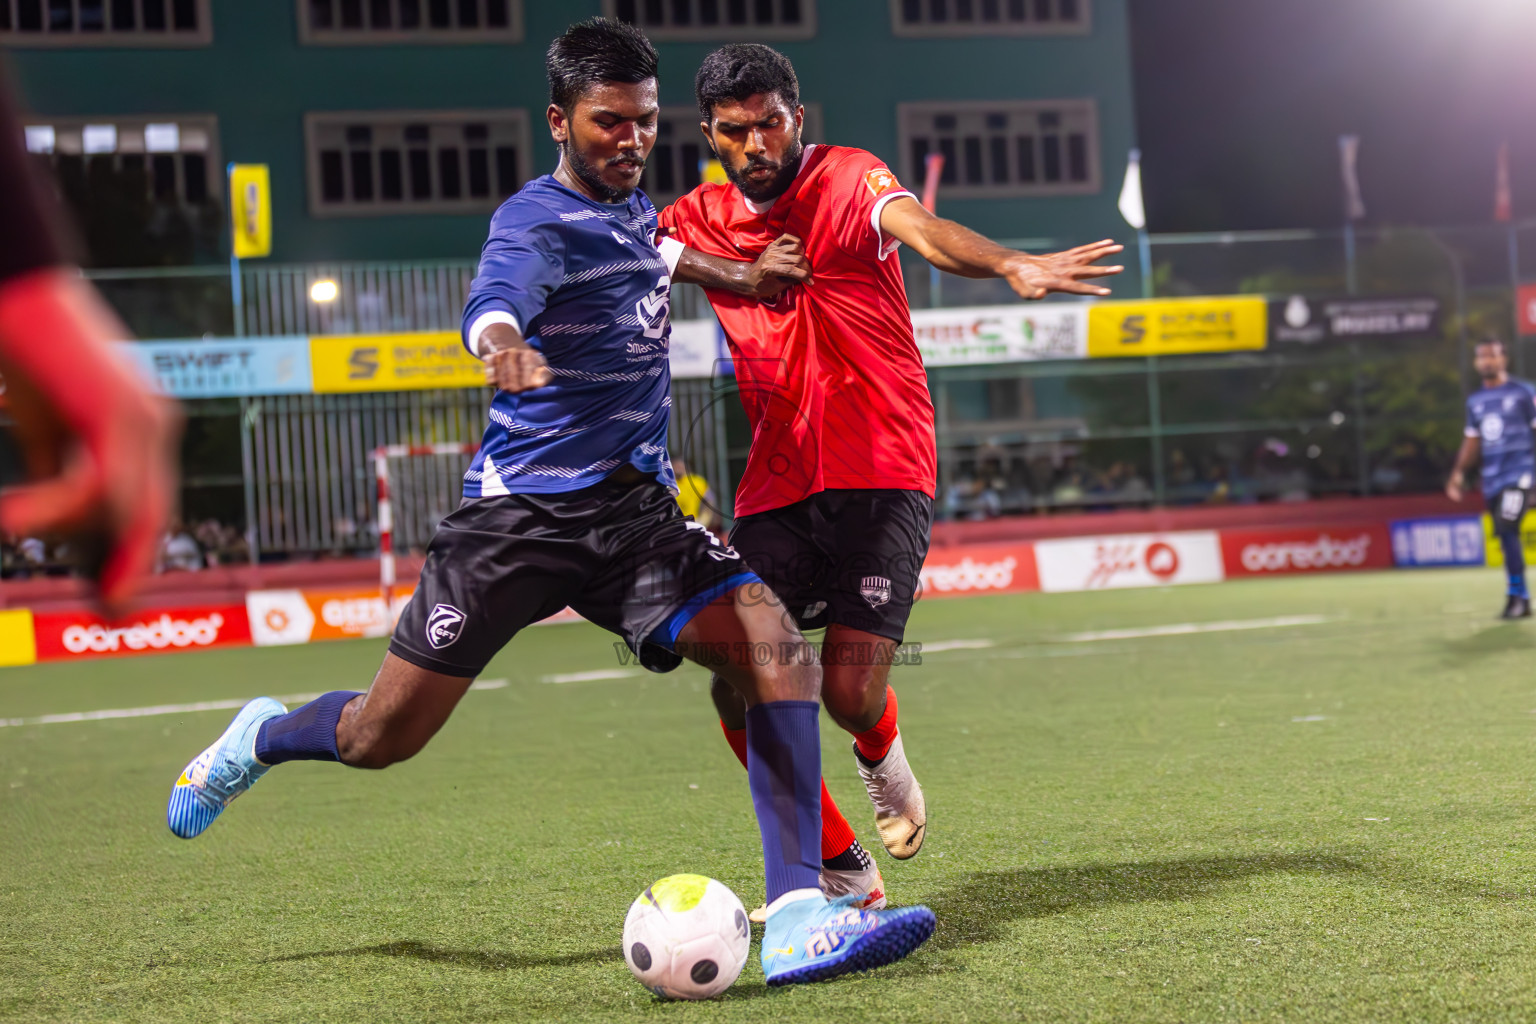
[876,590]
[444,625]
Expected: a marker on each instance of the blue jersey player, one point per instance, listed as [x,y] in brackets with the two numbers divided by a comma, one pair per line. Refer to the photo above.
[1500,418]
[569,503]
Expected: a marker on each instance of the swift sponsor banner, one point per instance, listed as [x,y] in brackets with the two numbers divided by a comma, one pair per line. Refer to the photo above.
[1274,552]
[978,569]
[1129,560]
[393,362]
[1166,327]
[1001,334]
[1300,319]
[224,369]
[1437,541]
[83,634]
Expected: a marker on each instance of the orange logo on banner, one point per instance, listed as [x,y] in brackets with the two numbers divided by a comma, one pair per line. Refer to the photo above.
[880,181]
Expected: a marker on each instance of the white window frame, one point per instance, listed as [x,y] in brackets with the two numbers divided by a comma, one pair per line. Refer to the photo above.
[108,37]
[688,118]
[426,36]
[913,176]
[1002,27]
[315,120]
[130,140]
[724,32]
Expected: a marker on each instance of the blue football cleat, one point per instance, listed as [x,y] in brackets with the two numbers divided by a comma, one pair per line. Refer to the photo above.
[814,939]
[220,773]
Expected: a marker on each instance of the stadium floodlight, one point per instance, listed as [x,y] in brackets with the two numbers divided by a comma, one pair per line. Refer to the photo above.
[324,291]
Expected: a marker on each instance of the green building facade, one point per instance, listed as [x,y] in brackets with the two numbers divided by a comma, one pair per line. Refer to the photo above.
[393,127]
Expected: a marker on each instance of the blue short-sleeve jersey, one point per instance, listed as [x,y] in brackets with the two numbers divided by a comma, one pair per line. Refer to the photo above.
[1502,417]
[588,289]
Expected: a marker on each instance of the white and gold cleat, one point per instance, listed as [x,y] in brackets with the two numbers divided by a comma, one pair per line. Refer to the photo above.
[900,813]
[866,882]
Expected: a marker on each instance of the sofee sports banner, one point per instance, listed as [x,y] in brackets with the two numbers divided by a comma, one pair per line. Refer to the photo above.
[63,636]
[1129,560]
[1001,334]
[1279,552]
[226,368]
[1165,327]
[393,362]
[1304,320]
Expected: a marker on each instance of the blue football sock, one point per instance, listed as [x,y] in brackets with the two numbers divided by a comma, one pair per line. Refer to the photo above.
[1514,563]
[784,772]
[307,733]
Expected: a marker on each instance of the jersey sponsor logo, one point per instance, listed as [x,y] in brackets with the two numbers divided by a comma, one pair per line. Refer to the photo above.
[653,308]
[1492,428]
[876,590]
[880,181]
[444,625]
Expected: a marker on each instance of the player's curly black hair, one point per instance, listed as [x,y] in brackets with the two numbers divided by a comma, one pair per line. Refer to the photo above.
[595,51]
[740,70]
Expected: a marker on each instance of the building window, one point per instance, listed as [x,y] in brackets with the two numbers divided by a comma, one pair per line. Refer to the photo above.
[367,22]
[1010,148]
[990,17]
[415,162]
[105,23]
[733,20]
[676,164]
[160,159]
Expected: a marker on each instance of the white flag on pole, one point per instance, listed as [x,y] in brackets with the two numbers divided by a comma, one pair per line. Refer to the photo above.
[1131,207]
[1349,155]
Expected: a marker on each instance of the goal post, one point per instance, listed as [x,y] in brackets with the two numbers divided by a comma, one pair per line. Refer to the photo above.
[418,485]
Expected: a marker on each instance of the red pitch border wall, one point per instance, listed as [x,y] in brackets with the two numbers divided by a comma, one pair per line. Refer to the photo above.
[289,605]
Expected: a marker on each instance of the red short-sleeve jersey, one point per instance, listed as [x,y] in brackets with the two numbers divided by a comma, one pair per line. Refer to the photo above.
[830,374]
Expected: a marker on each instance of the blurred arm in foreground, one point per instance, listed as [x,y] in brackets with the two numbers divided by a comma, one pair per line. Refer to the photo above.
[99,446]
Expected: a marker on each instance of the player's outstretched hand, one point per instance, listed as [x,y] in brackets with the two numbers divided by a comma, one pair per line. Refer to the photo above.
[780,267]
[100,447]
[1035,277]
[515,365]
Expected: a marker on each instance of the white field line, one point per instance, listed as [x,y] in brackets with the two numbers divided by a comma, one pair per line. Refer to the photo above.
[1187,628]
[591,677]
[182,709]
[939,646]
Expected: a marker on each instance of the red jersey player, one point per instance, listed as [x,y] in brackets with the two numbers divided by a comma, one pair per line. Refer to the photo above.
[836,504]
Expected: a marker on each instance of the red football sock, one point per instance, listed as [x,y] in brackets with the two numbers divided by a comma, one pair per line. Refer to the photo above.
[874,743]
[836,834]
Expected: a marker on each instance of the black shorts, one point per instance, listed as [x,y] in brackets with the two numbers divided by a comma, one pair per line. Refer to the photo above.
[1508,508]
[621,554]
[846,556]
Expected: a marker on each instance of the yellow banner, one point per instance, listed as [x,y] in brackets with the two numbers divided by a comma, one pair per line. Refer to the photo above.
[1166,327]
[250,210]
[393,362]
[1496,550]
[18,643]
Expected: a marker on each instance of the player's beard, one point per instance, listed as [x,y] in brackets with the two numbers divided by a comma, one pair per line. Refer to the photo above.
[590,176]
[762,192]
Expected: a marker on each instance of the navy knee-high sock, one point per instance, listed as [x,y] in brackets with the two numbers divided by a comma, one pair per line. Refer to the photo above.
[306,733]
[784,772]
[1514,563]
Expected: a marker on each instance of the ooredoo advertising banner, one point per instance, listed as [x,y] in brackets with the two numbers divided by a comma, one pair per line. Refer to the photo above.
[1129,560]
[1276,552]
[82,634]
[979,569]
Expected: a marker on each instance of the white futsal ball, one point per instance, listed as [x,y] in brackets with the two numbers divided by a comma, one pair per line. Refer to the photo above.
[686,937]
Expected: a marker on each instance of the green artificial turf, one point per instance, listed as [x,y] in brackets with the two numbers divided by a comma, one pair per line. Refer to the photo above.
[1330,821]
